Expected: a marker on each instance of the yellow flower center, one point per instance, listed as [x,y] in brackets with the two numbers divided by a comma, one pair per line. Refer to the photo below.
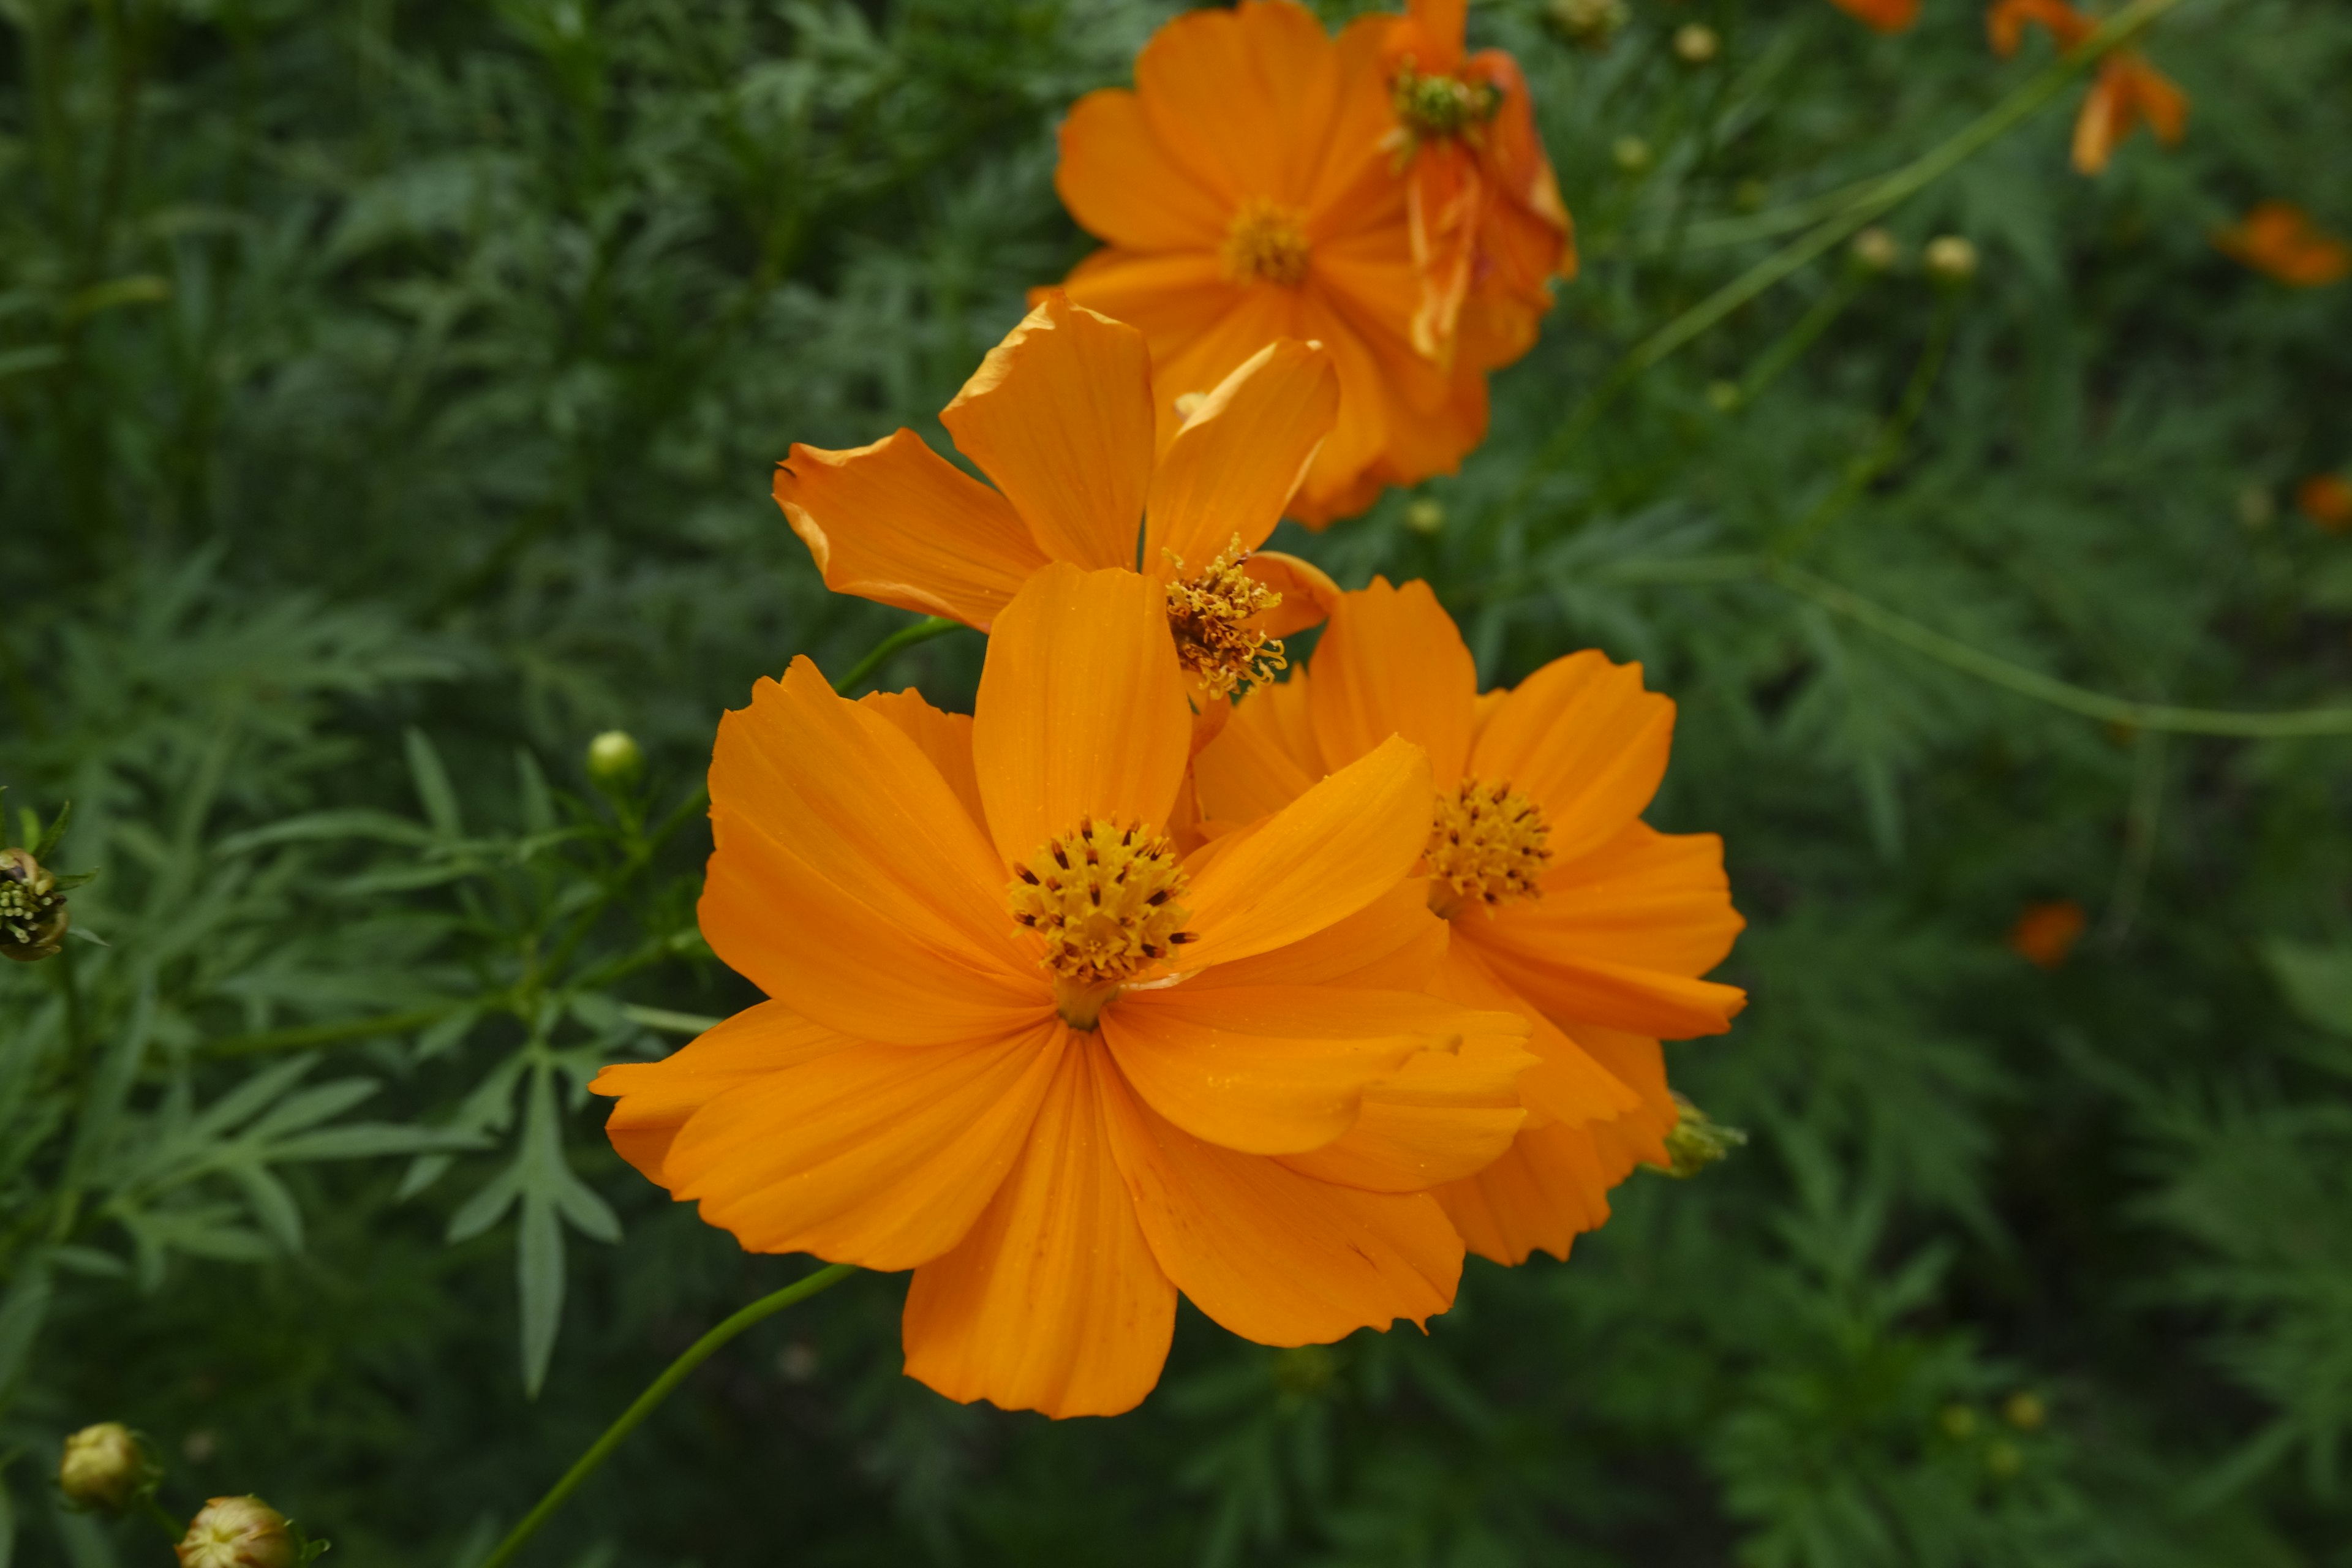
[1209,616]
[1488,845]
[1434,108]
[1267,241]
[1106,899]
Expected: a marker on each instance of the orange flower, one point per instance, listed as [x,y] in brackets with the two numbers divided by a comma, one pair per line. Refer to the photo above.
[1886,15]
[1489,230]
[2280,239]
[2127,93]
[1018,1045]
[2045,934]
[1245,194]
[1059,414]
[2327,500]
[1562,904]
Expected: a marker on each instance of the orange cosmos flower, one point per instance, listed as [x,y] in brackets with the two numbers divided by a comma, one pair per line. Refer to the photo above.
[2327,500]
[2045,934]
[1018,1045]
[1489,230]
[1563,905]
[1885,15]
[2127,92]
[1059,414]
[1246,193]
[2280,239]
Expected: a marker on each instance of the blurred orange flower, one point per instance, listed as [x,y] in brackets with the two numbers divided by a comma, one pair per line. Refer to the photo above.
[1886,15]
[1562,903]
[2327,500]
[2280,239]
[2046,932]
[2127,93]
[1060,415]
[1019,1045]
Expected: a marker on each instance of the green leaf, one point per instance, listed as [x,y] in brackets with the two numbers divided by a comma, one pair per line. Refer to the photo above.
[433,788]
[2317,982]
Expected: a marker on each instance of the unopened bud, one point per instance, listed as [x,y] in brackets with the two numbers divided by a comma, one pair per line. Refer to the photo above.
[1876,250]
[1305,1370]
[1588,24]
[239,1532]
[1426,517]
[2257,508]
[1724,397]
[105,1467]
[1696,44]
[615,760]
[1750,193]
[1950,260]
[32,917]
[2004,1460]
[2025,1410]
[1630,153]
[1698,1141]
[1959,1422]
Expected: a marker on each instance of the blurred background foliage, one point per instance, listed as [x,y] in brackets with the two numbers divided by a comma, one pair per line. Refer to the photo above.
[387,395]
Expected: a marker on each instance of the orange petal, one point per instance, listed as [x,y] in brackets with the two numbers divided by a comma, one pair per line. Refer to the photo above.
[877,1155]
[1391,663]
[1564,1083]
[1308,595]
[1081,710]
[656,1099]
[1246,318]
[1547,1188]
[851,882]
[1582,740]
[1447,1115]
[1639,1134]
[1273,1255]
[1393,943]
[1265,758]
[1171,297]
[897,524]
[944,738]
[1059,414]
[1052,1300]
[1245,97]
[1326,855]
[1620,935]
[1239,456]
[1122,183]
[1273,1069]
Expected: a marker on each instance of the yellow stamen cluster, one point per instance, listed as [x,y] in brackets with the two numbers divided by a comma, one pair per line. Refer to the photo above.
[1266,242]
[1489,844]
[1436,108]
[1106,899]
[1209,616]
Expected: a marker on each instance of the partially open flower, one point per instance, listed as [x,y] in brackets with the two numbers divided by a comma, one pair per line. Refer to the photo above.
[32,917]
[239,1532]
[104,1466]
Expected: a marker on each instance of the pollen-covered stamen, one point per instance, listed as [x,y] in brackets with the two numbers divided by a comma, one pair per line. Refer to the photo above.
[1442,108]
[1107,900]
[1488,845]
[1266,242]
[1210,614]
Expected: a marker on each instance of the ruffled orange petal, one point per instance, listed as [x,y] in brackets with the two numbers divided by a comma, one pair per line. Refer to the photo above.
[1123,184]
[1356,184]
[1308,595]
[1271,1254]
[1393,943]
[1549,1187]
[1619,936]
[1564,1083]
[944,738]
[1639,1134]
[1248,318]
[1081,710]
[1059,414]
[877,1155]
[850,881]
[1327,854]
[1274,1069]
[1052,1300]
[1391,663]
[1240,454]
[1583,741]
[1171,297]
[897,524]
[656,1099]
[1244,97]
[1446,1116]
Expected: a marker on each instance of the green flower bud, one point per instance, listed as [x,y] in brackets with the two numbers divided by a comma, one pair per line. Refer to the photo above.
[1426,517]
[1877,251]
[1588,24]
[239,1532]
[1950,260]
[1696,44]
[1698,1141]
[105,1467]
[33,918]
[2004,1460]
[1959,1422]
[615,760]
[1631,154]
[2025,1410]
[1722,396]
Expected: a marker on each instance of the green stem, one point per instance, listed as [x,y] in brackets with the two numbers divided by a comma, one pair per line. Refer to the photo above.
[1863,470]
[163,1516]
[1793,344]
[922,631]
[658,1390]
[308,1034]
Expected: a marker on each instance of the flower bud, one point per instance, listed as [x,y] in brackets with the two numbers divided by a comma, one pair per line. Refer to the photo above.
[1950,260]
[1588,24]
[2257,508]
[239,1532]
[1426,517]
[1696,44]
[2025,1410]
[1698,1141]
[1724,397]
[1959,1422]
[105,1467]
[615,760]
[2004,1460]
[1877,251]
[33,918]
[1630,153]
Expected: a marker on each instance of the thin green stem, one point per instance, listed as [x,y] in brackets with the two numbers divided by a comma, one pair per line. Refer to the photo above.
[75,1036]
[658,1390]
[305,1036]
[1892,441]
[1793,344]
[905,637]
[155,1510]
